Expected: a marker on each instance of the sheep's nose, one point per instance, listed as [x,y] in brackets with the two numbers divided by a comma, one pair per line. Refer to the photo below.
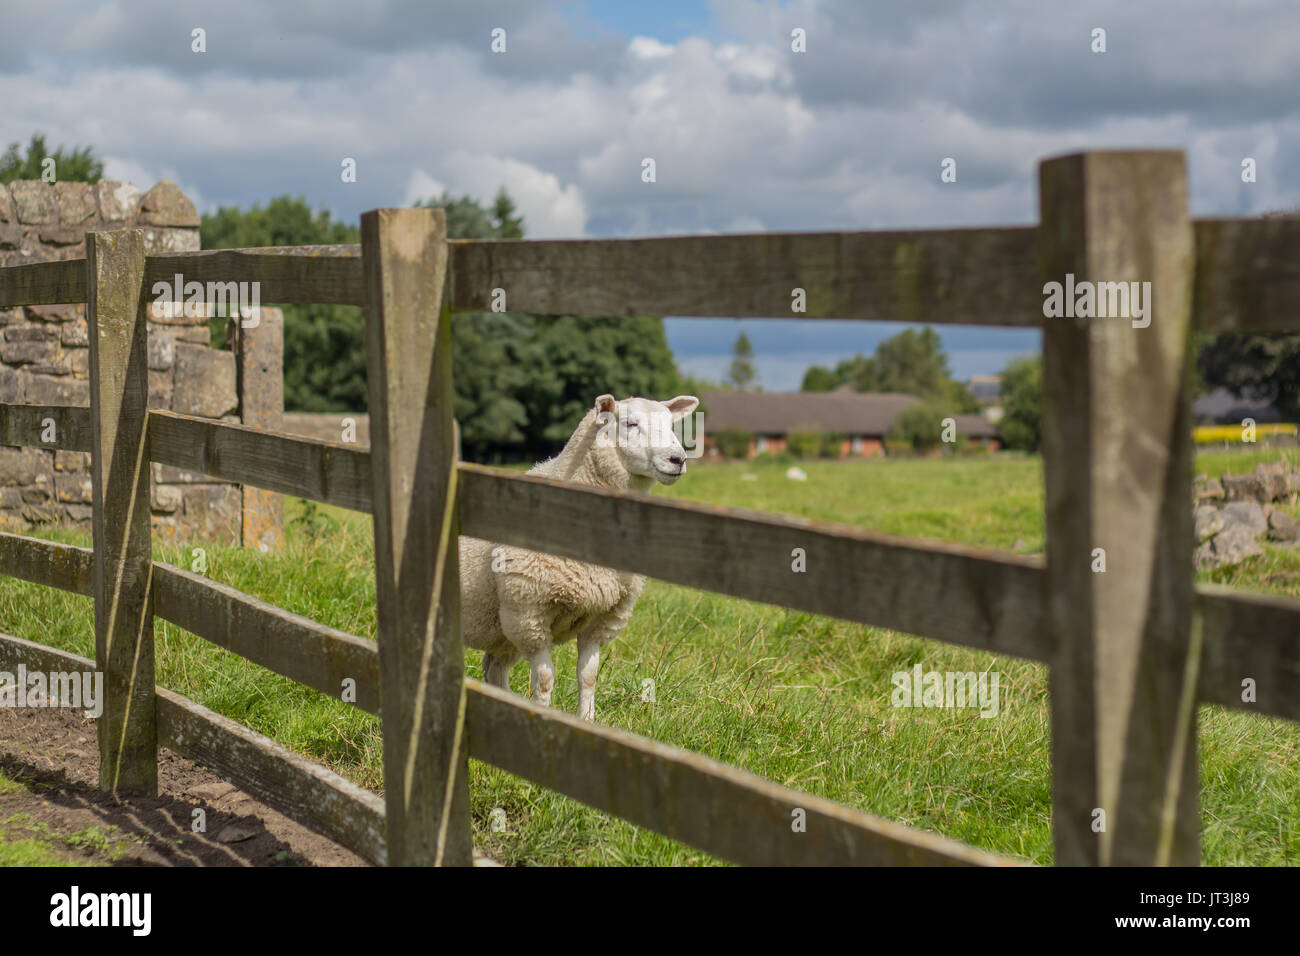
[677,460]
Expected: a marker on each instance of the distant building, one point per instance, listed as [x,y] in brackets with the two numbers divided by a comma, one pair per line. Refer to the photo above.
[862,418]
[987,390]
[1221,407]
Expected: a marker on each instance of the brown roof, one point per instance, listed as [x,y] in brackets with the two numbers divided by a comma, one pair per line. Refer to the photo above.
[849,413]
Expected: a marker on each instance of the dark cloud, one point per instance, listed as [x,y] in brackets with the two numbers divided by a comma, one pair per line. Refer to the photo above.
[305,41]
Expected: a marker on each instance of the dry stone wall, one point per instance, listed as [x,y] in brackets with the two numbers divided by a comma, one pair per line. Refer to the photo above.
[44,359]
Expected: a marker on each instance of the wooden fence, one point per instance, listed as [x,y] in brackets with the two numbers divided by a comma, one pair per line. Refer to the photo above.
[1131,650]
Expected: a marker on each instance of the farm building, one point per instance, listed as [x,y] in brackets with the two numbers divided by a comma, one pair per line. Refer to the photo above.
[1221,407]
[861,419]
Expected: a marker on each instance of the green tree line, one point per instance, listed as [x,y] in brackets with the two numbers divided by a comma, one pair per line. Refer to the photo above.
[521,381]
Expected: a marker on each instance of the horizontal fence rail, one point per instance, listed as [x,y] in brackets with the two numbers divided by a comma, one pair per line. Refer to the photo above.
[977,598]
[304,791]
[322,471]
[43,283]
[661,784]
[28,426]
[1247,275]
[291,274]
[731,813]
[1255,637]
[312,654]
[1245,635]
[959,276]
[300,789]
[48,563]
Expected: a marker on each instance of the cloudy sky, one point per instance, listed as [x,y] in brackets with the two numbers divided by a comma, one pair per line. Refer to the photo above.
[747,134]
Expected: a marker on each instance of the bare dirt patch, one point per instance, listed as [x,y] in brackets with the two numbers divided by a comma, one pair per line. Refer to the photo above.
[51,758]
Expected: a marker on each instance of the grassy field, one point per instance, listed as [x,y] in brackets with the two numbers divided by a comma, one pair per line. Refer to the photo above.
[799,699]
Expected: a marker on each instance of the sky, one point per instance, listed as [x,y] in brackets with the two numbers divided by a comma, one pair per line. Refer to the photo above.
[747,134]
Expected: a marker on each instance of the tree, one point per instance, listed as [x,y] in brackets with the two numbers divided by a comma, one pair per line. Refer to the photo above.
[1257,367]
[324,345]
[508,225]
[492,353]
[521,382]
[1021,426]
[78,165]
[466,219]
[920,424]
[819,378]
[741,373]
[572,359]
[912,362]
[734,442]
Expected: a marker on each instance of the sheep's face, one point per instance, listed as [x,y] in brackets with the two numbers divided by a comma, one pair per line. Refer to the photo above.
[642,432]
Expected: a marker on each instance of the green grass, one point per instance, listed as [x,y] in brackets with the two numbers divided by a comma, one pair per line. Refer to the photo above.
[799,699]
[18,847]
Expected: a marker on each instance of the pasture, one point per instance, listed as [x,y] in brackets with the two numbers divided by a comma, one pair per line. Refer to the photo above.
[802,700]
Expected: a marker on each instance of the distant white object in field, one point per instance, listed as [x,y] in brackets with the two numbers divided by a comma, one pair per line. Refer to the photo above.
[517,603]
[796,474]
[748,477]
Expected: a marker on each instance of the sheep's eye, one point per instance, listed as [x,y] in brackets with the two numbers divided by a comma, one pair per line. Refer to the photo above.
[631,425]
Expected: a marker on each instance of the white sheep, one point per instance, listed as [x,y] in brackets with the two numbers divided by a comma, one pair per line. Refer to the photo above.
[517,603]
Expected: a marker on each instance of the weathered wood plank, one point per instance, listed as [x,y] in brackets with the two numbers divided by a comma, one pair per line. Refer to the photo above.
[16,650]
[305,792]
[62,566]
[259,364]
[718,808]
[961,276]
[29,426]
[116,312]
[1248,274]
[325,274]
[308,793]
[1252,637]
[968,596]
[1245,635]
[413,454]
[299,648]
[1117,460]
[43,283]
[333,473]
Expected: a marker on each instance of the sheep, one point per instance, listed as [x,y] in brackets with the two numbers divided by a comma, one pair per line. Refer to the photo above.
[517,603]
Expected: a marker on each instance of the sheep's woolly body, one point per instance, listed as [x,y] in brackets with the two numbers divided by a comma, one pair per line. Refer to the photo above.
[518,603]
[574,594]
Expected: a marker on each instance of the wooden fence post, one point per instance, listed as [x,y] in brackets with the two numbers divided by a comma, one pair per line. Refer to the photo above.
[413,458]
[116,312]
[1117,453]
[259,377]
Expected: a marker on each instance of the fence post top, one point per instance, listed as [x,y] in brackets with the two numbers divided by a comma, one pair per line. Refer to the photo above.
[1103,155]
[113,236]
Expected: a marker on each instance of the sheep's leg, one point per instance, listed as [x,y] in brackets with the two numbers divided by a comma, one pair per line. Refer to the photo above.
[530,632]
[597,634]
[543,675]
[588,665]
[496,668]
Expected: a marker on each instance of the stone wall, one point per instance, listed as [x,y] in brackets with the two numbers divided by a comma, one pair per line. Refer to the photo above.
[44,359]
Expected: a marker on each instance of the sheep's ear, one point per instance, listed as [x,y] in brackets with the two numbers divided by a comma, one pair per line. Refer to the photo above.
[605,403]
[682,405]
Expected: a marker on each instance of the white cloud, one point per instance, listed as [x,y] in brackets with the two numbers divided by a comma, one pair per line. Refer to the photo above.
[648,48]
[421,186]
[128,170]
[550,210]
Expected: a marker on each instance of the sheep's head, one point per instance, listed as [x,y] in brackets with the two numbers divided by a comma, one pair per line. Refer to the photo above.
[641,430]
